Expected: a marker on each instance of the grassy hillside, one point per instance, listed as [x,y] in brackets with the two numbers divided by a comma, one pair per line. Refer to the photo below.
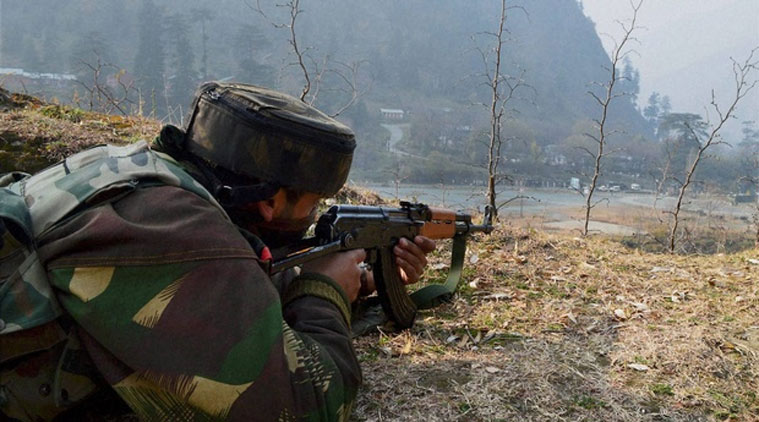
[546,327]
[554,327]
[34,134]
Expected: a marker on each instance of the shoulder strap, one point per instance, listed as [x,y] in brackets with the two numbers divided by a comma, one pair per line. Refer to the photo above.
[26,298]
[90,176]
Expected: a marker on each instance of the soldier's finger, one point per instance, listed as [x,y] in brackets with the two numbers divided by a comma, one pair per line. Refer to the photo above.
[410,253]
[367,283]
[426,244]
[412,276]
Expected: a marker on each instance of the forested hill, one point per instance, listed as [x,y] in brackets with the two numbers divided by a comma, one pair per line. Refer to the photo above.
[421,57]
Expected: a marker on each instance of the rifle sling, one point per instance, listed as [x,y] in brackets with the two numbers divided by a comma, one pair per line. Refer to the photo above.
[433,295]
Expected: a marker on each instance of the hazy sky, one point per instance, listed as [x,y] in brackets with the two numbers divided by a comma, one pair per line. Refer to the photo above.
[685,47]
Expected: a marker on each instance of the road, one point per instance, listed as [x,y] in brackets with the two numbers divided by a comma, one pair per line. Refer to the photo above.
[396,135]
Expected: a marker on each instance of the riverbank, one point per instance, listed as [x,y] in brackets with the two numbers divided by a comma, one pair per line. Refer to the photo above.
[627,214]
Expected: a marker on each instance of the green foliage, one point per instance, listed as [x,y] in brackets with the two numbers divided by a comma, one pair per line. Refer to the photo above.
[662,390]
[688,128]
[588,402]
[55,111]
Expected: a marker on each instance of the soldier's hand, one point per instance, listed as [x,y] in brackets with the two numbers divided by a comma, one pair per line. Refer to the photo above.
[411,257]
[343,267]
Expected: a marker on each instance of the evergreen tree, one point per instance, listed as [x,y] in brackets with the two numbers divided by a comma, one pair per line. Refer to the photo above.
[149,61]
[203,15]
[51,51]
[250,47]
[30,56]
[181,72]
[750,133]
[630,83]
[690,128]
[652,110]
[683,134]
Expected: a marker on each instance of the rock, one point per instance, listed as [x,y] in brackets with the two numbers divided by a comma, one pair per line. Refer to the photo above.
[638,367]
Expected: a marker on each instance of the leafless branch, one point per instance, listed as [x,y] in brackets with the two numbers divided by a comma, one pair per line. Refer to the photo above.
[350,80]
[100,96]
[314,75]
[742,72]
[503,89]
[617,55]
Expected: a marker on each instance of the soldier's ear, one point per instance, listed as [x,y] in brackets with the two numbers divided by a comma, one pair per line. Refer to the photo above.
[266,209]
[269,208]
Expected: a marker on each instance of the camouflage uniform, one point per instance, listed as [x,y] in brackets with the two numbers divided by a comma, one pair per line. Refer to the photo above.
[177,313]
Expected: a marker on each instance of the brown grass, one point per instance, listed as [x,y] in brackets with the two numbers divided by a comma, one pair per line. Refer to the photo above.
[548,326]
[34,135]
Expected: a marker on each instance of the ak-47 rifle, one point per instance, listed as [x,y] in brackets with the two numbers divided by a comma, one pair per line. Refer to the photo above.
[377,230]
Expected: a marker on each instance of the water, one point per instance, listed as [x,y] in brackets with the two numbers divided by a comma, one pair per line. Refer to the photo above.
[548,202]
[529,201]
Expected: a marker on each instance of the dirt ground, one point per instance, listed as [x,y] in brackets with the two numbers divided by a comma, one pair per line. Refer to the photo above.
[553,327]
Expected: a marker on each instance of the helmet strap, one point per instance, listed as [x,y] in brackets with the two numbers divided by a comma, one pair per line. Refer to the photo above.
[235,196]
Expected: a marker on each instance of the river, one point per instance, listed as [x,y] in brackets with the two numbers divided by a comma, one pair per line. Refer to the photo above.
[547,202]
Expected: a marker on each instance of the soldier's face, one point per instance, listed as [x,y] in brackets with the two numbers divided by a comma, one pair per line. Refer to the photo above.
[304,207]
[279,221]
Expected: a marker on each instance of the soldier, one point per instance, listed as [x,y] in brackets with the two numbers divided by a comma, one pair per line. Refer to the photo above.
[159,257]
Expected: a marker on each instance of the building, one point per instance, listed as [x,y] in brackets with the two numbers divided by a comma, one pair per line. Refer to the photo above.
[392,113]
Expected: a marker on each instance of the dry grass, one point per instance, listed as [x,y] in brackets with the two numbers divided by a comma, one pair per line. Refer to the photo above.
[553,327]
[351,194]
[34,135]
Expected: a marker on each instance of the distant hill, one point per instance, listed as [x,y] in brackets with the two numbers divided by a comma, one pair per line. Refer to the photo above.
[420,57]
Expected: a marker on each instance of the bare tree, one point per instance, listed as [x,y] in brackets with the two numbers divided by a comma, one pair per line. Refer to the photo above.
[742,73]
[503,88]
[619,52]
[399,174]
[314,74]
[100,96]
[749,158]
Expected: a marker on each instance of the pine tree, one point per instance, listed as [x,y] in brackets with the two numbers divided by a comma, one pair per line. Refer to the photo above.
[181,72]
[149,61]
[249,46]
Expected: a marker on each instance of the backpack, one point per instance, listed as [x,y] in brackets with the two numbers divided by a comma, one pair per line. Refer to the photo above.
[43,369]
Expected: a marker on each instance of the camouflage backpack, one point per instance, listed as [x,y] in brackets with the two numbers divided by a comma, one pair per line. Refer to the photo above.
[43,370]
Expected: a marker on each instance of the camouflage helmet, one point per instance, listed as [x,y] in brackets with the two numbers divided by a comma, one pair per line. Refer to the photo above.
[269,136]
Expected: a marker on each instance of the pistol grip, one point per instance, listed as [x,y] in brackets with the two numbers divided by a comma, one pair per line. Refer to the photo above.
[392,292]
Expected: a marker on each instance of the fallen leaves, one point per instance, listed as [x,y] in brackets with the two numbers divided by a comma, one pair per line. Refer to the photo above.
[492,370]
[620,314]
[638,367]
